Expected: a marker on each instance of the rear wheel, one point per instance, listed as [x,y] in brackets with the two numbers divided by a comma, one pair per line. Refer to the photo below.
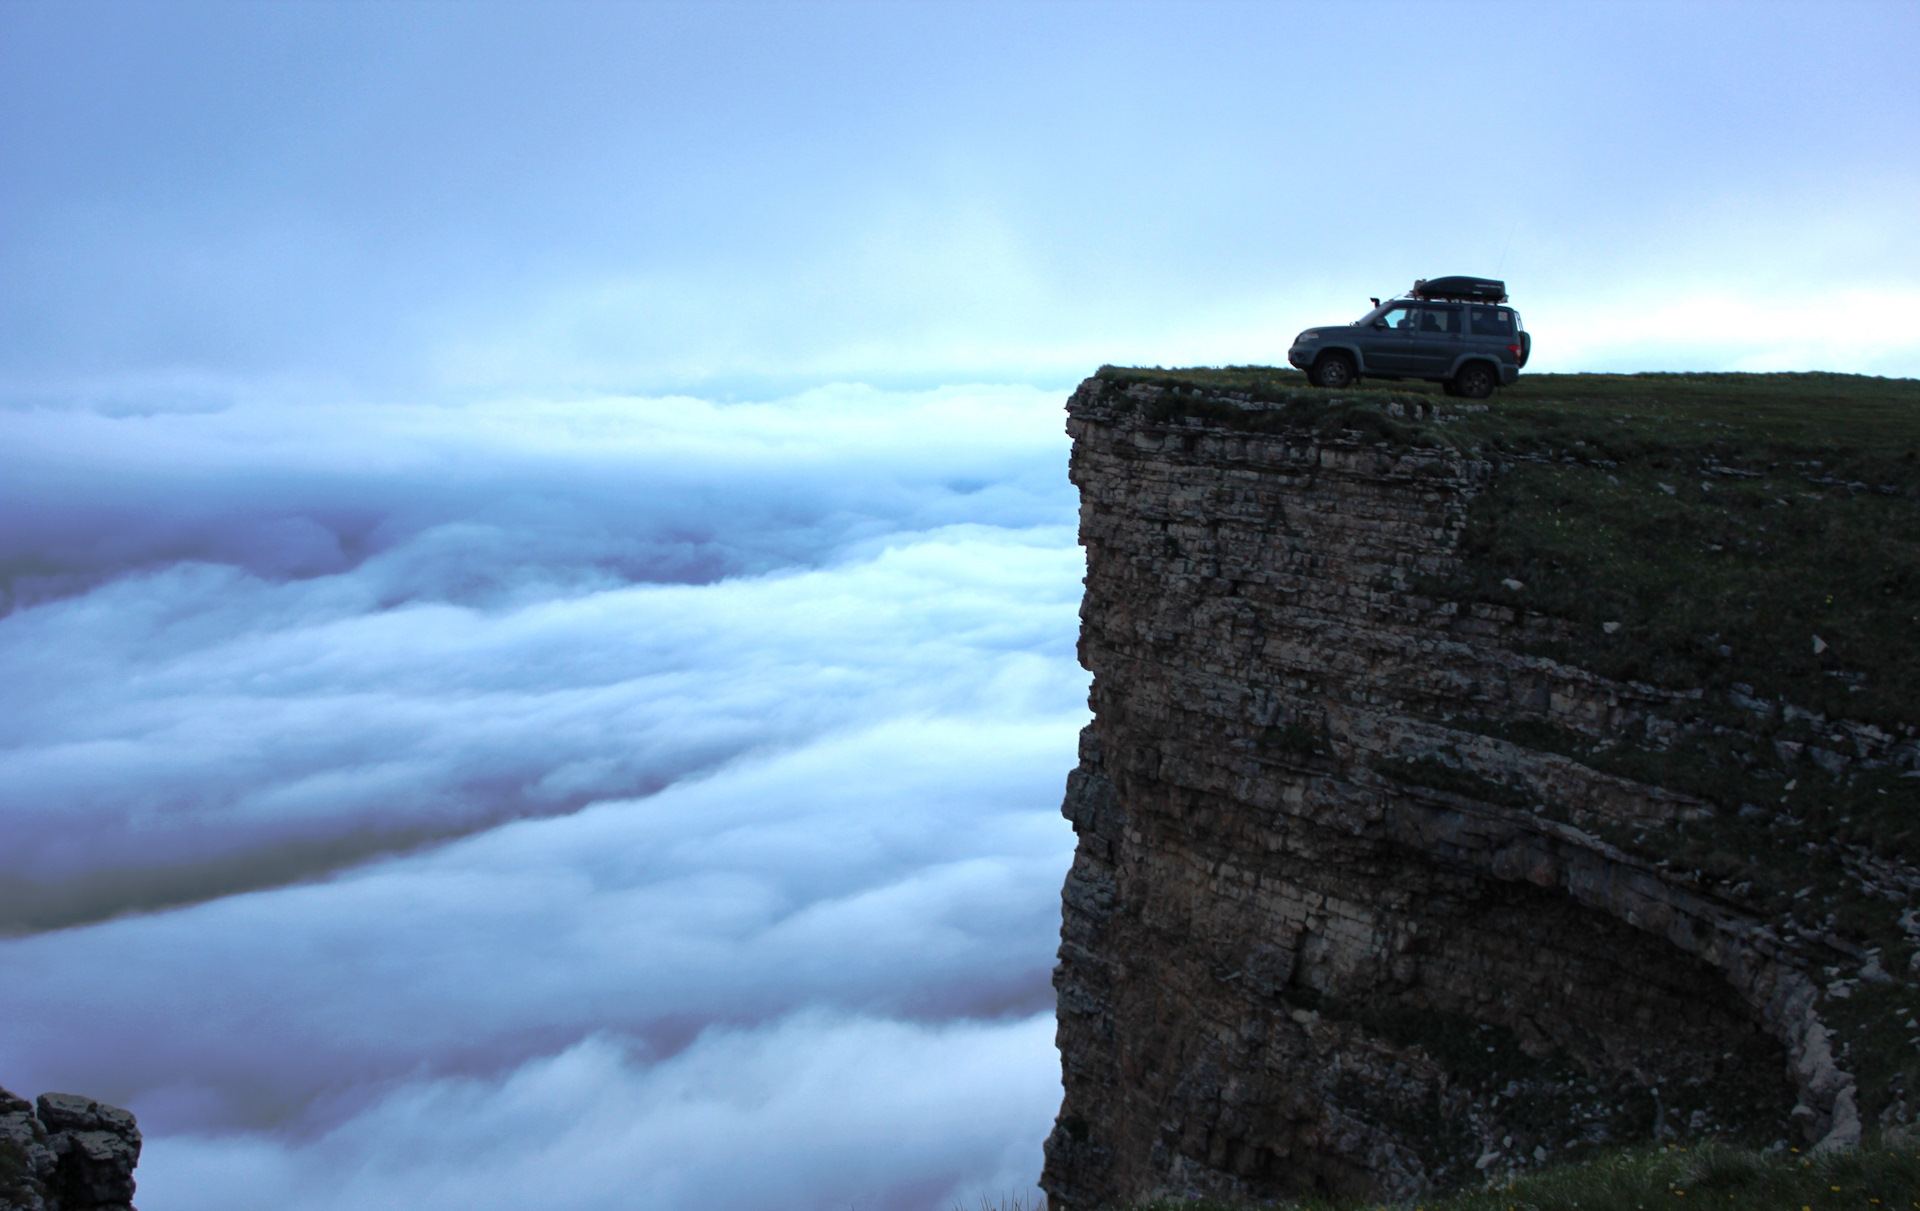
[1475,381]
[1333,371]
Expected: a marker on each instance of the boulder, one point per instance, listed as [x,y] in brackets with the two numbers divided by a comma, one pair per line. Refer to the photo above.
[66,1153]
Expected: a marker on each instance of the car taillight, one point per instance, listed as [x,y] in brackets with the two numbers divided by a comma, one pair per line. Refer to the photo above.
[1515,350]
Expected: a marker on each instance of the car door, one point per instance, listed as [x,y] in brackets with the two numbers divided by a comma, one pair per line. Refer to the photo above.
[1436,341]
[1384,340]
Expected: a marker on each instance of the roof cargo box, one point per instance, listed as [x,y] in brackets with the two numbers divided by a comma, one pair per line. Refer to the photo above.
[1469,290]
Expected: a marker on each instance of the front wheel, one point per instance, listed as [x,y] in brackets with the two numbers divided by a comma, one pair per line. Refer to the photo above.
[1333,371]
[1475,381]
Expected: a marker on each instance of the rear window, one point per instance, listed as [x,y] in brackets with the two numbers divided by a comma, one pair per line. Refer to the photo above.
[1490,321]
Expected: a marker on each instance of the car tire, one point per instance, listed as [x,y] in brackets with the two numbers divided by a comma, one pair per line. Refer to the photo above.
[1476,380]
[1332,371]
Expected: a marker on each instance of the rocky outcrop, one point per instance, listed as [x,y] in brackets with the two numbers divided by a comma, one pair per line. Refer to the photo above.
[1288,965]
[66,1153]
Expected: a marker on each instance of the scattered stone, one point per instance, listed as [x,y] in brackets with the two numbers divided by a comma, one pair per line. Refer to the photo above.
[1845,1132]
[1828,760]
[1609,627]
[1819,645]
[1513,584]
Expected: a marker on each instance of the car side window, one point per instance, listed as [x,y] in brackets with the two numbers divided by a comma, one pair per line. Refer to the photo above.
[1439,319]
[1397,317]
[1491,321]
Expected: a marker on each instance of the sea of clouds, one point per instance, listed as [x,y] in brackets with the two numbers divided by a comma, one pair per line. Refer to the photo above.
[610,802]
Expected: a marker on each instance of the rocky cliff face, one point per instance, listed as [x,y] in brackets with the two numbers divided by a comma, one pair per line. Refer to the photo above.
[66,1153]
[1290,961]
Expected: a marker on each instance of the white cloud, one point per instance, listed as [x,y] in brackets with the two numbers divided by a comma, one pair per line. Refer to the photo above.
[708,845]
[911,868]
[192,712]
[814,1112]
[496,649]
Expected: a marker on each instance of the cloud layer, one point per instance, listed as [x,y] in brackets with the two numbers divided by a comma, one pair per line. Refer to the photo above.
[485,811]
[815,1114]
[503,627]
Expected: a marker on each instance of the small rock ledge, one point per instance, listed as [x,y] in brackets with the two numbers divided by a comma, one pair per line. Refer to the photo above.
[66,1153]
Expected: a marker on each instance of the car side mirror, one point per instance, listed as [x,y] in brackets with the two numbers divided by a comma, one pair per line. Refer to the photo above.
[1379,323]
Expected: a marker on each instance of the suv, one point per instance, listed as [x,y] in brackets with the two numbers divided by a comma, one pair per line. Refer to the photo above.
[1454,331]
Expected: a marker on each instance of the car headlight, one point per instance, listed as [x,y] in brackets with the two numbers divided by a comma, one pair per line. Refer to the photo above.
[1306,338]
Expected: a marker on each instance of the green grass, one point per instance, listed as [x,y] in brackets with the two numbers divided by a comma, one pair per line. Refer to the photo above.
[1667,1178]
[1645,1179]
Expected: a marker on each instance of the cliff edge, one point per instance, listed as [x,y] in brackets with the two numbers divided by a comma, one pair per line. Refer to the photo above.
[1472,785]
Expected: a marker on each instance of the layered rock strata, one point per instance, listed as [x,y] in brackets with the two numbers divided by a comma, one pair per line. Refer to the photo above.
[63,1152]
[1283,969]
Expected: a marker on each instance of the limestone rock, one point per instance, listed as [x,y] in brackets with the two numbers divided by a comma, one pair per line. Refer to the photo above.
[1286,970]
[74,1154]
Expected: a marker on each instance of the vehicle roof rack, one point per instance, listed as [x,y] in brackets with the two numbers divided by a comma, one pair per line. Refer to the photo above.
[1460,290]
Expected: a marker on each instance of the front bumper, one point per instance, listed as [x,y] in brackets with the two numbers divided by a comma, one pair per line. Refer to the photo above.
[1301,356]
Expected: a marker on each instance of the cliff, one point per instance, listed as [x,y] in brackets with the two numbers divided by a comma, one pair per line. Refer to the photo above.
[1468,788]
[66,1153]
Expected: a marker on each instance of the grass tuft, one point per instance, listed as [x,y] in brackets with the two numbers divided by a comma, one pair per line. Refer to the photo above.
[1667,1179]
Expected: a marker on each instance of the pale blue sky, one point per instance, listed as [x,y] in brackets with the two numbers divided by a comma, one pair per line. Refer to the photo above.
[748,197]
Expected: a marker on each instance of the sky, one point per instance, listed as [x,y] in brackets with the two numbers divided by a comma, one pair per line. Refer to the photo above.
[537,577]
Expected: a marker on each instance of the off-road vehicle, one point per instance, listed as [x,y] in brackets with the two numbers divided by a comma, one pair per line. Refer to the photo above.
[1456,331]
